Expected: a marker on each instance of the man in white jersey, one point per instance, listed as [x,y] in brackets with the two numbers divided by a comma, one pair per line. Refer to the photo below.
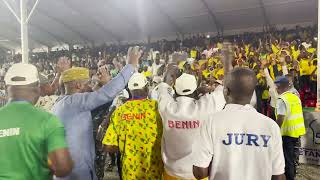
[238,142]
[182,118]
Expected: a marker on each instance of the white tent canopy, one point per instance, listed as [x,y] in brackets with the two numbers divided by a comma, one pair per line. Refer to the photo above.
[57,22]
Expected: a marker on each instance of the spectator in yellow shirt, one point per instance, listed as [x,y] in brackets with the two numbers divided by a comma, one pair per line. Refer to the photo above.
[304,65]
[136,130]
[208,72]
[275,47]
[219,72]
[193,53]
[295,51]
[203,60]
[146,73]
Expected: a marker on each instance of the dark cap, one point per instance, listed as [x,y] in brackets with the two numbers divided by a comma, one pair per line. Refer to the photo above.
[281,80]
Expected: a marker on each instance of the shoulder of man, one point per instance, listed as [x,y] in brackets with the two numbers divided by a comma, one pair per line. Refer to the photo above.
[44,117]
[68,99]
[43,113]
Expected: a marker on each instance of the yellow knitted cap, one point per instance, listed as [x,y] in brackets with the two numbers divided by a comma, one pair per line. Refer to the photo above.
[74,74]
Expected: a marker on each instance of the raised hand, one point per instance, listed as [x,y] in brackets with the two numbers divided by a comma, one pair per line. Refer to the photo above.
[227,57]
[63,64]
[103,75]
[171,74]
[133,56]
[176,57]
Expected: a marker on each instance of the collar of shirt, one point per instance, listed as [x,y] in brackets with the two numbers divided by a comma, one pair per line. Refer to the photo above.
[137,98]
[184,99]
[20,101]
[289,91]
[219,88]
[231,107]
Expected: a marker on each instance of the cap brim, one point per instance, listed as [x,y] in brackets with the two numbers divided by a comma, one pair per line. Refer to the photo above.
[281,82]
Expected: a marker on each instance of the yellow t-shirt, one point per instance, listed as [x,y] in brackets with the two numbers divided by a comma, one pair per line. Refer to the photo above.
[181,64]
[251,53]
[265,94]
[259,75]
[147,73]
[136,128]
[304,67]
[254,65]
[201,62]
[206,73]
[275,49]
[246,48]
[311,50]
[218,74]
[193,54]
[295,54]
[212,61]
[272,73]
[290,66]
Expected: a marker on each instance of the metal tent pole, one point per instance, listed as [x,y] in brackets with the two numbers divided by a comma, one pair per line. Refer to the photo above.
[24,31]
[24,19]
[318,64]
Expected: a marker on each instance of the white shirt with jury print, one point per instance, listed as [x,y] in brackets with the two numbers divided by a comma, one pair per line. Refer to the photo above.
[182,118]
[241,143]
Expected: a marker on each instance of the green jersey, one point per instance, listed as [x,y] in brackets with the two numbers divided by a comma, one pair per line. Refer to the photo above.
[27,135]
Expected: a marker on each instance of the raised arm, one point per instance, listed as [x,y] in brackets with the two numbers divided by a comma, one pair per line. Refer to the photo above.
[89,101]
[163,89]
[164,96]
[269,80]
[227,57]
[63,64]
[284,66]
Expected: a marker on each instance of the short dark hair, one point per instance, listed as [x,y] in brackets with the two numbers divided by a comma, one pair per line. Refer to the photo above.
[241,83]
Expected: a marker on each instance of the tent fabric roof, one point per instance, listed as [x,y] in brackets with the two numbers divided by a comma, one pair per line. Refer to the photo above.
[98,21]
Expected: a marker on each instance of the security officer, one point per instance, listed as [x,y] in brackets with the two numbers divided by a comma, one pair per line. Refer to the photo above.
[289,116]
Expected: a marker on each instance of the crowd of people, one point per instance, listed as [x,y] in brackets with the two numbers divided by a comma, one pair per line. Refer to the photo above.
[296,46]
[162,110]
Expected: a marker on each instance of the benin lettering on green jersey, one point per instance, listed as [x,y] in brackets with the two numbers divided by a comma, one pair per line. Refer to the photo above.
[27,135]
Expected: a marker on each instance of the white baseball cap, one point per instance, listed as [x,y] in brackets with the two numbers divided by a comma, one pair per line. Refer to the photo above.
[137,81]
[186,84]
[21,74]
